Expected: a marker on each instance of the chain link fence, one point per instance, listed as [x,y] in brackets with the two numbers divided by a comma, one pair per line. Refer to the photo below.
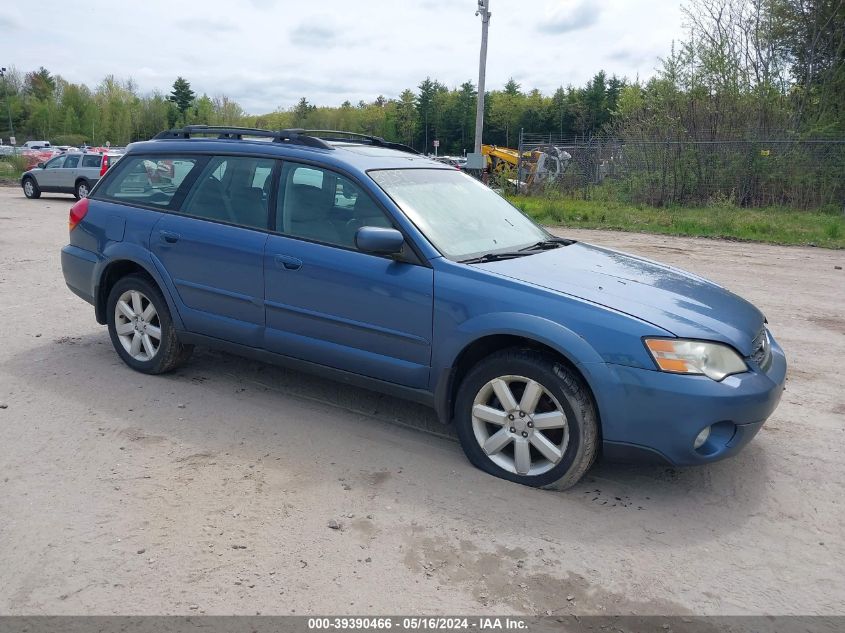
[804,174]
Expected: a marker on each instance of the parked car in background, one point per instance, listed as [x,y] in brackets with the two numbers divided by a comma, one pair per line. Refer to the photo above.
[457,162]
[35,156]
[360,261]
[36,144]
[72,172]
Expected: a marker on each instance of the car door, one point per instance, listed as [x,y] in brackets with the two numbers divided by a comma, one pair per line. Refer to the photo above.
[328,303]
[50,176]
[68,172]
[89,167]
[213,247]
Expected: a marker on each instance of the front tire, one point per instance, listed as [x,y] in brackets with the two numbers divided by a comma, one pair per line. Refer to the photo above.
[524,416]
[30,189]
[141,329]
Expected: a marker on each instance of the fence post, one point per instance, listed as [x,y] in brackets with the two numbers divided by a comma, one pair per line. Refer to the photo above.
[519,160]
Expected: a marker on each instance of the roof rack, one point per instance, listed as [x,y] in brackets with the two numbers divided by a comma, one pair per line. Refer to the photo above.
[342,135]
[292,136]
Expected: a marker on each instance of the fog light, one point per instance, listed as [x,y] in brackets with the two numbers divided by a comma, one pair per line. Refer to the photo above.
[701,438]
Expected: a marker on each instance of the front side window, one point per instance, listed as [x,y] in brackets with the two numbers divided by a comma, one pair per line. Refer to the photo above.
[147,180]
[460,216]
[56,163]
[323,206]
[232,189]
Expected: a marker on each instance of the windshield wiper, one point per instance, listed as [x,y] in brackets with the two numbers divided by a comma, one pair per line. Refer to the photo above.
[492,257]
[544,245]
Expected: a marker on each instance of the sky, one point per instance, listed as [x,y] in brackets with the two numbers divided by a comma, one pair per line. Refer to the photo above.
[266,54]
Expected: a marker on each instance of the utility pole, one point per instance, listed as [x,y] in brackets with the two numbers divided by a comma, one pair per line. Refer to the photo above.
[484,12]
[8,101]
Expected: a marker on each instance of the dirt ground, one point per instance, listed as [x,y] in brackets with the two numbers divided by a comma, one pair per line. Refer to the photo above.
[210,490]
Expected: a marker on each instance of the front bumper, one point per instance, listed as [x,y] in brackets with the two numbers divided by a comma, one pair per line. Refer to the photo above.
[656,416]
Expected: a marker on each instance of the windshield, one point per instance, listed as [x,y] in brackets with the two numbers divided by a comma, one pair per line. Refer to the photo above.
[460,216]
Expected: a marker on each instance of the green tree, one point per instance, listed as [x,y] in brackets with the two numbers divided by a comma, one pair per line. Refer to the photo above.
[301,112]
[406,116]
[182,96]
[40,84]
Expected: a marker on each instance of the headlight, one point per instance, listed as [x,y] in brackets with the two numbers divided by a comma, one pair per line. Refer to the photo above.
[680,356]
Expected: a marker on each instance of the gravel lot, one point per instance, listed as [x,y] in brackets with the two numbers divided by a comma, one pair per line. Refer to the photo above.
[211,490]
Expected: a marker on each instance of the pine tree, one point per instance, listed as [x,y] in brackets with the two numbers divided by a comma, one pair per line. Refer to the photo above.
[182,96]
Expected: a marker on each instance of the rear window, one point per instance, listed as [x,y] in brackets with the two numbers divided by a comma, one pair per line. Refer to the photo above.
[91,160]
[147,180]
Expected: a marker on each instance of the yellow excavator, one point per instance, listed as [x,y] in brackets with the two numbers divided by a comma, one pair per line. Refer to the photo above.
[539,167]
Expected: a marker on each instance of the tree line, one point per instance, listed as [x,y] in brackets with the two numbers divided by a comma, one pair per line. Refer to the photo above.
[746,69]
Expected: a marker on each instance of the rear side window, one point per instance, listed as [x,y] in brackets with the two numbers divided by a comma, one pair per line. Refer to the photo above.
[71,162]
[232,189]
[147,180]
[91,160]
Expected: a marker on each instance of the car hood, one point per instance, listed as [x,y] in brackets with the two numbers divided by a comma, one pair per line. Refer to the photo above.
[679,302]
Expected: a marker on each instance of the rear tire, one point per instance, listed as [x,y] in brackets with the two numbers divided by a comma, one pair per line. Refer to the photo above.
[141,328]
[524,416]
[81,190]
[30,188]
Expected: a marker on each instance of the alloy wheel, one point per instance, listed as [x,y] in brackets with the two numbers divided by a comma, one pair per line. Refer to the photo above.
[520,425]
[137,325]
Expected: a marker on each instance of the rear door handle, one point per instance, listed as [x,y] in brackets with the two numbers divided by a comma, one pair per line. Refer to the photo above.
[168,237]
[287,262]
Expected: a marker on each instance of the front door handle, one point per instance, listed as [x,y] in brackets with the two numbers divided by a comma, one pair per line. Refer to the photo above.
[287,262]
[168,237]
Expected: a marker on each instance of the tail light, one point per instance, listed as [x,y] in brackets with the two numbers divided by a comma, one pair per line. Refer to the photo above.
[105,166]
[77,212]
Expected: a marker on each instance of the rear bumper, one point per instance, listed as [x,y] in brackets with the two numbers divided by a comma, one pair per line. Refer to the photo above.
[78,267]
[657,416]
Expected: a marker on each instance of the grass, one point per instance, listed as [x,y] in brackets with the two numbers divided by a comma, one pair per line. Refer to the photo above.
[12,167]
[775,225]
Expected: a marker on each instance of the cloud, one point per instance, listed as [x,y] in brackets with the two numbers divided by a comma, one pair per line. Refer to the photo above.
[207,26]
[633,58]
[277,51]
[9,22]
[571,15]
[314,35]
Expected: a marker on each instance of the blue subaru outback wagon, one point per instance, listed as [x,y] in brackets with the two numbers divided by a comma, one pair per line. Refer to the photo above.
[360,260]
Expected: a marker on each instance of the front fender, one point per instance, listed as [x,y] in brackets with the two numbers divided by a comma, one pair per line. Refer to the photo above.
[536,328]
[567,343]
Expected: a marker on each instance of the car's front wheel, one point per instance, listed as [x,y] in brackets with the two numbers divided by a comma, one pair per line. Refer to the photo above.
[30,188]
[525,416]
[82,189]
[141,329]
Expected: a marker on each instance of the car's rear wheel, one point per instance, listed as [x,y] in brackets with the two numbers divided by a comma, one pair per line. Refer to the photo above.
[82,189]
[30,188]
[141,329]
[524,416]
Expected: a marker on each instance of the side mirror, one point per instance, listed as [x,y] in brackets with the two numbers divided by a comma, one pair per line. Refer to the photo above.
[378,241]
[41,165]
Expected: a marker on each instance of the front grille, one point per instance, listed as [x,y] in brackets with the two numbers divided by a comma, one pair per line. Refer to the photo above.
[761,349]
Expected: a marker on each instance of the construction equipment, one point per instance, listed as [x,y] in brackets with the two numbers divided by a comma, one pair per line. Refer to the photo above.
[533,170]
